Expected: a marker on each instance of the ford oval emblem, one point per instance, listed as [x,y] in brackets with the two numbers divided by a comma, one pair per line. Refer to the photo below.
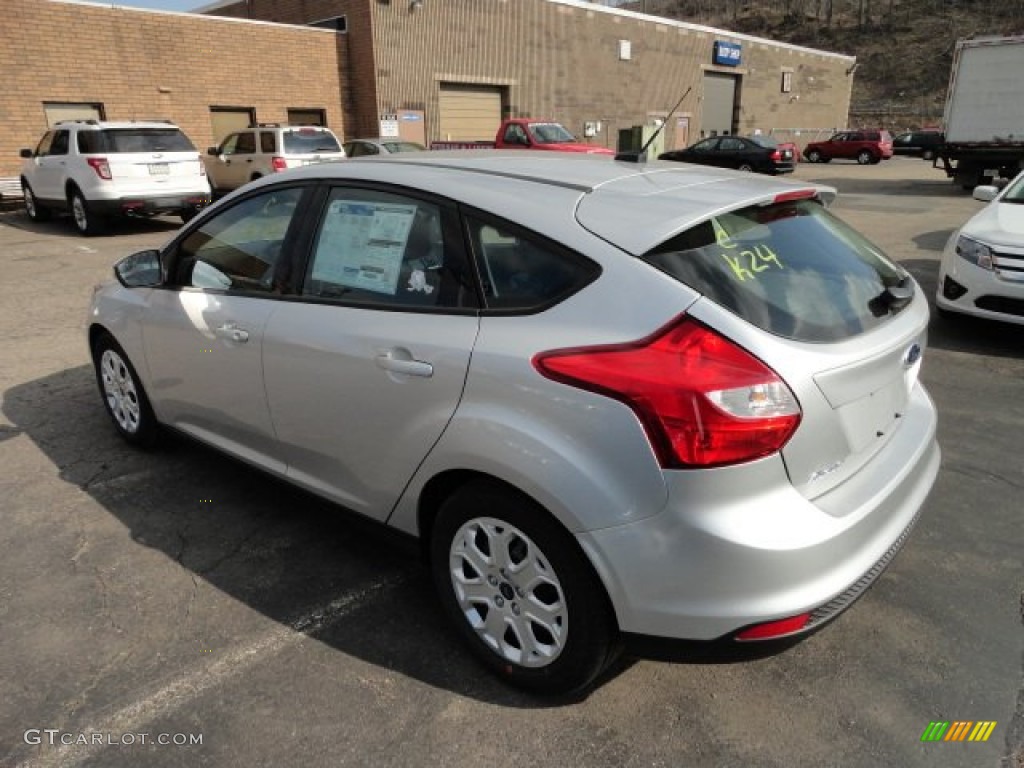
[912,355]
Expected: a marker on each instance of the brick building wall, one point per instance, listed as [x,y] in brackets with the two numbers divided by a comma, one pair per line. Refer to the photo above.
[560,59]
[143,65]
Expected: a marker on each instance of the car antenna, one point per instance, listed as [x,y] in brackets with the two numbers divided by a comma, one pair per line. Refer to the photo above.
[641,156]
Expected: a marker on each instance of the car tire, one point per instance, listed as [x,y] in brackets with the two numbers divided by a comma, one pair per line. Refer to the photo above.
[532,610]
[187,216]
[814,156]
[87,222]
[123,396]
[745,167]
[864,157]
[33,209]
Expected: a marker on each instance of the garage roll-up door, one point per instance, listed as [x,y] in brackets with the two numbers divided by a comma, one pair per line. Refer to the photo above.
[469,112]
[719,100]
[56,112]
[225,120]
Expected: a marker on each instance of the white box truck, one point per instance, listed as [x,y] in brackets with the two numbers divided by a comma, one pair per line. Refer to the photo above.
[984,117]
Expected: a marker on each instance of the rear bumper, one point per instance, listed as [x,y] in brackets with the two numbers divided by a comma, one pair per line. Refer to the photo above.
[148,205]
[740,546]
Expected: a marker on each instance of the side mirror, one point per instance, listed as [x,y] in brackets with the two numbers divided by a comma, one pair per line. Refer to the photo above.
[25,153]
[140,270]
[212,151]
[985,193]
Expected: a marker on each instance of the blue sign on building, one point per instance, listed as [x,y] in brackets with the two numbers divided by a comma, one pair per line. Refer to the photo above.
[728,54]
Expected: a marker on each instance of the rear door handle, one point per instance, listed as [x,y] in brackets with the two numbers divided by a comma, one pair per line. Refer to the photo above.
[400,360]
[232,332]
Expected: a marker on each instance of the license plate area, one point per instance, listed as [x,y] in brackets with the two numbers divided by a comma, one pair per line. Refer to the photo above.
[159,169]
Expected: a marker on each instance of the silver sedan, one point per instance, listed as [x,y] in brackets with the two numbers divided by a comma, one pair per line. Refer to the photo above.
[609,397]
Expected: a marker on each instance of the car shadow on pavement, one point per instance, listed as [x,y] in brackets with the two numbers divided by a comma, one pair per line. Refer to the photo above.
[955,332]
[281,551]
[60,225]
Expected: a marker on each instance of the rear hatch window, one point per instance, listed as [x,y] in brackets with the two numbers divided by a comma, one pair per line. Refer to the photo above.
[309,141]
[118,140]
[790,268]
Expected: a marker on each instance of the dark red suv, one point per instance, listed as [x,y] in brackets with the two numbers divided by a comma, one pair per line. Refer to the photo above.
[863,146]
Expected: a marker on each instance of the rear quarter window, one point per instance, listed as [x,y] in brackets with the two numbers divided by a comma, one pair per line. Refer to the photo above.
[792,269]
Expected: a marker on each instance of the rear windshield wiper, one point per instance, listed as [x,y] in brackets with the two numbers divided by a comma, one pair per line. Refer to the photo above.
[894,298]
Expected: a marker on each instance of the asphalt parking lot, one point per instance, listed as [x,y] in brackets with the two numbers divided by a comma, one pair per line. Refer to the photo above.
[178,596]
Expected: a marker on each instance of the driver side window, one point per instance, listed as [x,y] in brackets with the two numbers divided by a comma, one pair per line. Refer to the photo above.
[240,249]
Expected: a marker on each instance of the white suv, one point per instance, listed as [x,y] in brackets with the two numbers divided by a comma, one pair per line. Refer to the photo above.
[268,148]
[97,170]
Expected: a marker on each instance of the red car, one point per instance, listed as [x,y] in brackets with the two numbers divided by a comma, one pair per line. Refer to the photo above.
[863,146]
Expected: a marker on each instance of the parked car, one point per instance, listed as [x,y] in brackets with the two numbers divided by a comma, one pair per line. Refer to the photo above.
[379,146]
[97,170]
[863,146]
[608,397]
[758,153]
[268,148]
[789,150]
[982,267]
[923,144]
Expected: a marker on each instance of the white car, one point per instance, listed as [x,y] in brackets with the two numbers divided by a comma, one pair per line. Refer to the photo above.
[982,269]
[97,170]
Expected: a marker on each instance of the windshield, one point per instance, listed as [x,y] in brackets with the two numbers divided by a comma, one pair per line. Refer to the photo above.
[765,141]
[1015,192]
[305,141]
[550,133]
[143,140]
[791,269]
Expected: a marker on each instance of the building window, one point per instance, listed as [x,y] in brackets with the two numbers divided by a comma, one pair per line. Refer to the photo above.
[336,23]
[225,120]
[307,116]
[787,82]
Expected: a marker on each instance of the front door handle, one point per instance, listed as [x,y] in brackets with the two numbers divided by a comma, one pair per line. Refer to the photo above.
[400,360]
[232,332]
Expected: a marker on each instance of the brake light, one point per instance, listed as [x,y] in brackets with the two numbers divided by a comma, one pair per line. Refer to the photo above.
[776,156]
[278,164]
[771,629]
[796,194]
[101,166]
[702,400]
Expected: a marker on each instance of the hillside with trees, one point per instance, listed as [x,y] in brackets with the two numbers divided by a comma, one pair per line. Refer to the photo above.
[904,48]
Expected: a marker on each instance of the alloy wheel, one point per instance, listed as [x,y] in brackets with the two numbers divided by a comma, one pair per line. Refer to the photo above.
[507,590]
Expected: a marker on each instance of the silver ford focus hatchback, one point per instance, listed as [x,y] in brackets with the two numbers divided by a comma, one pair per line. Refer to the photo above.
[609,397]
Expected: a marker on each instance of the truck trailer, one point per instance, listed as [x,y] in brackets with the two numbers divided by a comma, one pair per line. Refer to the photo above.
[984,115]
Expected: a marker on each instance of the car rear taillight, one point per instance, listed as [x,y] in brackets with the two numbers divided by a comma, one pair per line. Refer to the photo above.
[278,164]
[702,400]
[774,629]
[101,166]
[776,156]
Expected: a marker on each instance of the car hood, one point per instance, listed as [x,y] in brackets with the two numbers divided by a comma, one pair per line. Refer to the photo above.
[998,224]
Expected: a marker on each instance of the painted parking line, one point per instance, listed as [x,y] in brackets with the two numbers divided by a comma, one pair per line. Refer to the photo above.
[179,692]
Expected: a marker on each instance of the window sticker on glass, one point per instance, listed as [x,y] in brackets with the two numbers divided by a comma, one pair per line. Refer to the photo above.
[361,245]
[745,263]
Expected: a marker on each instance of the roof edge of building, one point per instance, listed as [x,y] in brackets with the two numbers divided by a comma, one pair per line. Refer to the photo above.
[592,6]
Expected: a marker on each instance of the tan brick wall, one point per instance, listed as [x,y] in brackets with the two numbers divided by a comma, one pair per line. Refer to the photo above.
[360,107]
[560,60]
[142,64]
